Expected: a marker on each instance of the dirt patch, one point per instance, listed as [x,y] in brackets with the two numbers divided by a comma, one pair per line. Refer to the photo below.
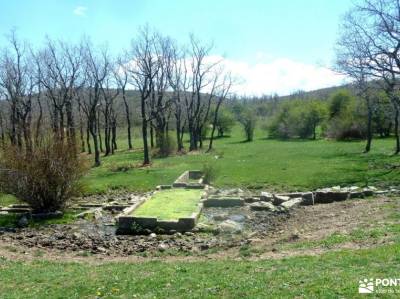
[262,235]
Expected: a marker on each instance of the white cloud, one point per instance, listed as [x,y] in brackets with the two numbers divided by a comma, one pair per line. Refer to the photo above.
[282,76]
[80,11]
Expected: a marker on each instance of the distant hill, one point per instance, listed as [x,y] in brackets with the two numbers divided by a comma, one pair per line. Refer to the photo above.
[322,93]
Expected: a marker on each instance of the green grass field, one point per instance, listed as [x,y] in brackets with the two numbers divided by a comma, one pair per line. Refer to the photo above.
[331,275]
[263,163]
[170,204]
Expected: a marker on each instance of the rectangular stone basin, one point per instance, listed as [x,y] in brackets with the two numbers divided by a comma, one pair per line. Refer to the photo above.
[171,209]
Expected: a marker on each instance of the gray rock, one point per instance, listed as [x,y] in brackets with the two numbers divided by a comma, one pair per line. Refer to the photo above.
[153,235]
[292,194]
[357,194]
[220,217]
[251,199]
[291,203]
[262,206]
[308,198]
[368,192]
[266,196]
[330,196]
[162,247]
[230,226]
[23,221]
[278,199]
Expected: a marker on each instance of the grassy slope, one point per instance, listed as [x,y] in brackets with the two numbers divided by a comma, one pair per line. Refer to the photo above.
[6,200]
[175,203]
[330,275]
[259,164]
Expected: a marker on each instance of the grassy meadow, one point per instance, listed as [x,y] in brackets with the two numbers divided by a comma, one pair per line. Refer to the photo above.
[263,163]
[331,275]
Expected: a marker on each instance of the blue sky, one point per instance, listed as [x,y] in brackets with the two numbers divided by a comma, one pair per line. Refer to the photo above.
[278,41]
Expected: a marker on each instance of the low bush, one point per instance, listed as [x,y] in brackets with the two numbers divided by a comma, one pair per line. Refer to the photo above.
[45,178]
[210,173]
[347,117]
[248,121]
[167,146]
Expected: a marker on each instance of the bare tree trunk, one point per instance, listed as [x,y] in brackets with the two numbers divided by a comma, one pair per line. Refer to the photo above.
[214,125]
[114,145]
[178,135]
[82,139]
[39,122]
[128,121]
[93,132]
[88,138]
[396,128]
[2,128]
[151,135]
[146,158]
[369,128]
[70,125]
[99,132]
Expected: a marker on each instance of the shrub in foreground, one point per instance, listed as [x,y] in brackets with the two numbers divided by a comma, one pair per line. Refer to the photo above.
[46,178]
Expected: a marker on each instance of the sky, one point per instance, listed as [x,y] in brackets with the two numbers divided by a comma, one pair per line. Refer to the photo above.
[273,46]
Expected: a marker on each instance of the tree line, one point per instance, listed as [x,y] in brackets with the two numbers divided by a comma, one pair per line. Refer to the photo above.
[76,93]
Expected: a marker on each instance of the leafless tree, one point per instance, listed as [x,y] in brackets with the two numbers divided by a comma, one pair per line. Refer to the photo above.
[122,78]
[61,76]
[143,70]
[178,81]
[97,68]
[18,84]
[373,28]
[222,93]
[200,89]
[108,96]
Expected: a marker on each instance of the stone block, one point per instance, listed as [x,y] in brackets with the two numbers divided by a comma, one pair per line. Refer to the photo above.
[330,196]
[279,199]
[262,206]
[308,198]
[291,203]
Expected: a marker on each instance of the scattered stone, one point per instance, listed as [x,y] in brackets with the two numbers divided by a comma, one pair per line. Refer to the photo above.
[291,203]
[251,199]
[292,194]
[220,217]
[266,196]
[153,235]
[262,206]
[162,247]
[356,194]
[230,226]
[368,192]
[279,199]
[308,198]
[23,221]
[330,196]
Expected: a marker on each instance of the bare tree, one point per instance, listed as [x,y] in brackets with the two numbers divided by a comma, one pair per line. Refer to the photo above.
[122,78]
[374,29]
[142,71]
[178,80]
[222,94]
[61,76]
[18,84]
[200,89]
[97,68]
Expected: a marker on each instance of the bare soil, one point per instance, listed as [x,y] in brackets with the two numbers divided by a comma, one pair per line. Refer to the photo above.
[264,235]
